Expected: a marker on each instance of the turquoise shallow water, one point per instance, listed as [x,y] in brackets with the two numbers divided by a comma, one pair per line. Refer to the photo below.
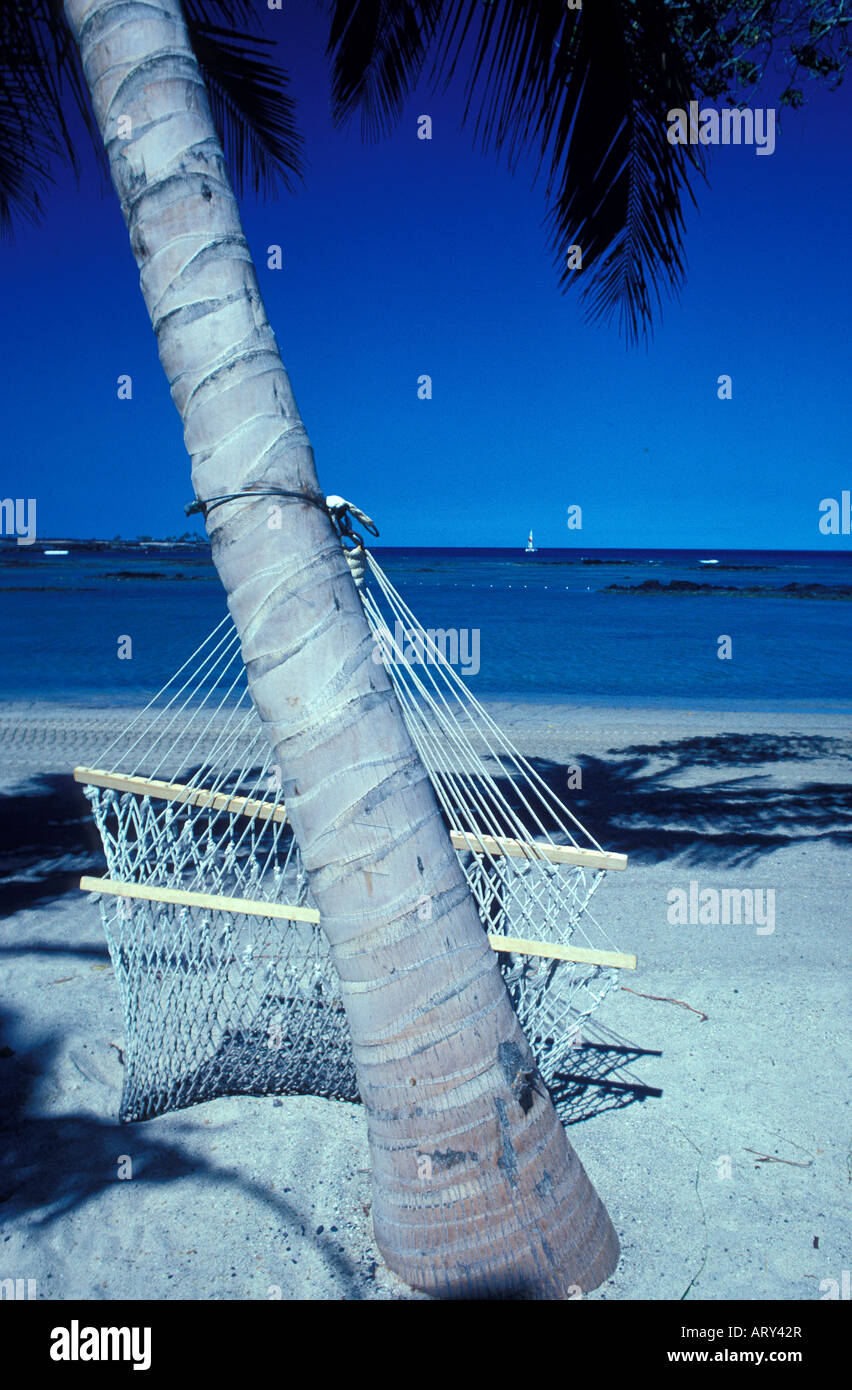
[541,627]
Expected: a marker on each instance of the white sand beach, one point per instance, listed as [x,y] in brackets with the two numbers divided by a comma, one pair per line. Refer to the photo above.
[735,1182]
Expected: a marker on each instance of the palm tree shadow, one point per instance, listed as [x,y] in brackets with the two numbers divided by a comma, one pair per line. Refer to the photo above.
[52,1165]
[655,805]
[48,838]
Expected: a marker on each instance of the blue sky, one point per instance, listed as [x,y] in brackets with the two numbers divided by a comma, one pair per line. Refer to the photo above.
[410,257]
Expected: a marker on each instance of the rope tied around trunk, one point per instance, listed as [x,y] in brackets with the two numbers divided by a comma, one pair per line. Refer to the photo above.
[342,514]
[209,504]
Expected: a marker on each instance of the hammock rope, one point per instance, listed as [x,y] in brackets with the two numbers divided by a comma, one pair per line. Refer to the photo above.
[221,998]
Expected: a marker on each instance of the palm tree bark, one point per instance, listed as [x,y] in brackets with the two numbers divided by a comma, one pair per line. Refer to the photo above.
[475,1191]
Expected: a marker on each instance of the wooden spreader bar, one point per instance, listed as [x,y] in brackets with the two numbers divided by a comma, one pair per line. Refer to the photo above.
[618,960]
[492,845]
[290,913]
[216,902]
[177,791]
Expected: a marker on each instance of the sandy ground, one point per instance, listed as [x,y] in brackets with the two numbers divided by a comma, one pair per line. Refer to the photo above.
[735,1182]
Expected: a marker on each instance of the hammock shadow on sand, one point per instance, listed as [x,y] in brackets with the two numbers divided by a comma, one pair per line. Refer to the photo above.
[731,819]
[600,1078]
[54,1164]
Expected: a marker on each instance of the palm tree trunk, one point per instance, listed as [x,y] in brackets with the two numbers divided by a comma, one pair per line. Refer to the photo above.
[473,1191]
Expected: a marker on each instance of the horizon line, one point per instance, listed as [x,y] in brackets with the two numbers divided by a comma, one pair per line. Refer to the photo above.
[11,540]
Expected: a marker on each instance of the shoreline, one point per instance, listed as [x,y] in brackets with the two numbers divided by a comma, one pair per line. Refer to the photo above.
[543,707]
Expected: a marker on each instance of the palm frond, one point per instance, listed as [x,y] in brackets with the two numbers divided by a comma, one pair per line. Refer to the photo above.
[583,92]
[377,49]
[23,162]
[249,100]
[41,82]
[586,92]
[40,77]
[618,188]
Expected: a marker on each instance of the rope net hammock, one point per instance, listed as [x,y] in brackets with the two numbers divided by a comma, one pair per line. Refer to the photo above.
[225,975]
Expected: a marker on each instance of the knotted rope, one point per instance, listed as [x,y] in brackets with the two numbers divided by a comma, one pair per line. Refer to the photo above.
[342,514]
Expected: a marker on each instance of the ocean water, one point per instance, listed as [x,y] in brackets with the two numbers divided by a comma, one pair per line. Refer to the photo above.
[543,627]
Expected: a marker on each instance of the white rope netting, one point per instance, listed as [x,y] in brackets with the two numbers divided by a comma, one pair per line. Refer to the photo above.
[220,1001]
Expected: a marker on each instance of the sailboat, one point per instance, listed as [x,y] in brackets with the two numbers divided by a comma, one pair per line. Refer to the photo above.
[531,549]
